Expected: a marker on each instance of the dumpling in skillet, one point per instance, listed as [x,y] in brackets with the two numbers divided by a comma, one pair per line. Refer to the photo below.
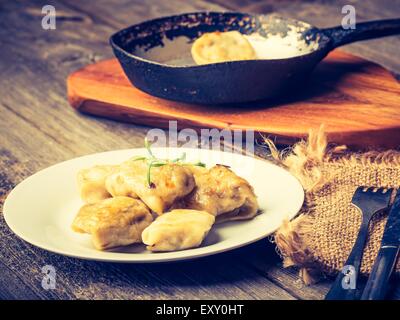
[222,193]
[169,183]
[178,230]
[222,46]
[91,183]
[113,222]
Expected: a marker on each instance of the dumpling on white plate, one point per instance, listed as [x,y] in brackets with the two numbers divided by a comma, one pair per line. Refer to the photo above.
[178,230]
[91,183]
[169,183]
[117,184]
[113,222]
[222,193]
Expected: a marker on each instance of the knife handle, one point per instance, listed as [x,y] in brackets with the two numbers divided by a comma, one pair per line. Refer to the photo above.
[377,284]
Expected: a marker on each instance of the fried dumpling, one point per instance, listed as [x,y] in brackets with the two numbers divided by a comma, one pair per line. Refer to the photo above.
[177,230]
[248,210]
[222,46]
[113,222]
[169,183]
[117,184]
[222,193]
[91,183]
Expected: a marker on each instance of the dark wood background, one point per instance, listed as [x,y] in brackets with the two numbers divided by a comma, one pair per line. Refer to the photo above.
[38,129]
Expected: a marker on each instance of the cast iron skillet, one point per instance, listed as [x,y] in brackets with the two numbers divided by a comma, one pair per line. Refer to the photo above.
[155,55]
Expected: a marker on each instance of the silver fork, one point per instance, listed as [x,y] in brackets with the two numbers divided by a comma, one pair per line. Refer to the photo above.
[369,201]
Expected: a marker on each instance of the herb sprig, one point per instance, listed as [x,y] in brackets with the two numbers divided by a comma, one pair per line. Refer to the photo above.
[154,162]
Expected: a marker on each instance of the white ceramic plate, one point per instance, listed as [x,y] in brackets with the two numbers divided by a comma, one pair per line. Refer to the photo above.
[41,209]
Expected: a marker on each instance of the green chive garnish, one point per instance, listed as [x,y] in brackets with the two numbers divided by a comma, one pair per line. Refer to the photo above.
[153,161]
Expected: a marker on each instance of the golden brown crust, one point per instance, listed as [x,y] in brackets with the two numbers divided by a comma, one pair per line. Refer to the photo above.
[178,230]
[91,183]
[113,222]
[222,46]
[222,193]
[169,183]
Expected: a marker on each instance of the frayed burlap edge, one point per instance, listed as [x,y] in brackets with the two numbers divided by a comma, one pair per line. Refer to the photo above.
[305,160]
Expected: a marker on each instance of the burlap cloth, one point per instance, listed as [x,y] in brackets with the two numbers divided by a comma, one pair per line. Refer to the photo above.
[320,238]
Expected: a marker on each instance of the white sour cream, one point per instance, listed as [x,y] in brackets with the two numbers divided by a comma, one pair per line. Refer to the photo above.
[278,47]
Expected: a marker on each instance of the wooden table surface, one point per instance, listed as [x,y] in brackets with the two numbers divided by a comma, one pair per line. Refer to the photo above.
[38,129]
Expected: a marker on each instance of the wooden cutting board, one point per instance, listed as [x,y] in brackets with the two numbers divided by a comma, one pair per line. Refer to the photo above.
[357,101]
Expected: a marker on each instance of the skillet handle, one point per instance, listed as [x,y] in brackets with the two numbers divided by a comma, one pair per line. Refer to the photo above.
[363,31]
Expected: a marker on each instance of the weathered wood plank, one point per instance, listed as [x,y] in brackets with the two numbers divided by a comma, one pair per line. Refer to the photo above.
[127,18]
[263,257]
[12,287]
[382,51]
[81,279]
[38,128]
[36,88]
[134,11]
